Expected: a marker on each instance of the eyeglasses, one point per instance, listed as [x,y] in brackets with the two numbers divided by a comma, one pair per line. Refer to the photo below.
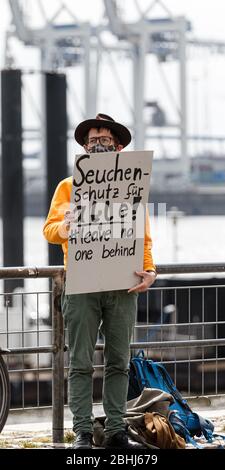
[103,140]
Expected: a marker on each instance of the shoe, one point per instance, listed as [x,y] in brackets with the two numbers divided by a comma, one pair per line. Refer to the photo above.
[83,441]
[120,440]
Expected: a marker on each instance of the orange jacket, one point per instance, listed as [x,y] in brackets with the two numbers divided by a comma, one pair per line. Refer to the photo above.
[61,202]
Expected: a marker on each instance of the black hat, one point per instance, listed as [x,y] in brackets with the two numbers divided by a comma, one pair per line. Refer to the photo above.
[102,120]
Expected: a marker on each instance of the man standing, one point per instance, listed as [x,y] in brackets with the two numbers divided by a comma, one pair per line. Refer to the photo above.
[114,311]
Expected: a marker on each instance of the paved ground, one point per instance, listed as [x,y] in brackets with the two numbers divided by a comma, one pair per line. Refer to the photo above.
[33,430]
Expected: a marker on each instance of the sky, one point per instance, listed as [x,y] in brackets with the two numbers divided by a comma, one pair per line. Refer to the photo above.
[207,16]
[205,73]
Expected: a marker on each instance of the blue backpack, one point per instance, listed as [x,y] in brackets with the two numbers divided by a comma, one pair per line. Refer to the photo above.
[146,373]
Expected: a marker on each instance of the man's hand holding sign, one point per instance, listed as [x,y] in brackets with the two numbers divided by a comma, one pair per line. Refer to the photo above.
[148,278]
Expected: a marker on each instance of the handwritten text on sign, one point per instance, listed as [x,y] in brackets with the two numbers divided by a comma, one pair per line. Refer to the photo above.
[106,242]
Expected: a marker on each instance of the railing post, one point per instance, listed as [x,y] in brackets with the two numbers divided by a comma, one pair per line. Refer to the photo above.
[58,362]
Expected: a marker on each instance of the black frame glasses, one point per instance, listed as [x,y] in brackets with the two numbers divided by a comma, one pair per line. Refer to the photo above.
[103,140]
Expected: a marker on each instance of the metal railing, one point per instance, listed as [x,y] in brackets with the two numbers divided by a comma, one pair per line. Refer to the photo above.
[159,338]
[57,348]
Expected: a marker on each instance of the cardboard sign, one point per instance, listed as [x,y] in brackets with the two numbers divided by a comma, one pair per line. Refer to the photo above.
[106,241]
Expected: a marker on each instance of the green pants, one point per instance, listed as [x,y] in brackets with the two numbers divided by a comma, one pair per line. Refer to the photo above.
[114,312]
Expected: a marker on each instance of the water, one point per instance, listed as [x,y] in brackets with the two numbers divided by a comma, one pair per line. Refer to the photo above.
[196,239]
[35,250]
[199,239]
